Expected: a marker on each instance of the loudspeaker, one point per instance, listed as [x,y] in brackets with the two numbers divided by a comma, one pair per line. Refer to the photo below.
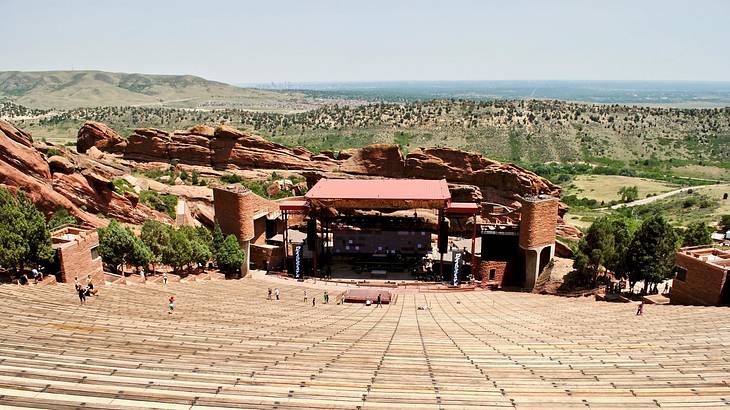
[443,241]
[311,233]
[271,228]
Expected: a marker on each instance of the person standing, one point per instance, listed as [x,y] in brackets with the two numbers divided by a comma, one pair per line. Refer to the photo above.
[326,297]
[269,296]
[276,292]
[164,278]
[305,295]
[314,301]
[379,304]
[170,305]
[82,294]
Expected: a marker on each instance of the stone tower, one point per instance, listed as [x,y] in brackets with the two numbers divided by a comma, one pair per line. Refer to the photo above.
[537,234]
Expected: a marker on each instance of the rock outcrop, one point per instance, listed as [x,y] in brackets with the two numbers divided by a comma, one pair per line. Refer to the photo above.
[497,181]
[220,148]
[225,147]
[16,150]
[384,160]
[55,184]
[99,135]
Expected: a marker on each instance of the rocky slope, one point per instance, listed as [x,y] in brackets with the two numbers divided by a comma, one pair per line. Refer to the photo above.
[227,148]
[76,182]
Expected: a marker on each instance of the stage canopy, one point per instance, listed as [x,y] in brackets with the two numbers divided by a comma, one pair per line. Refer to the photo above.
[380,193]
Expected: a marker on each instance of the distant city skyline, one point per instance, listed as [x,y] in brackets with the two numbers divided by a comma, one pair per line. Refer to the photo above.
[332,41]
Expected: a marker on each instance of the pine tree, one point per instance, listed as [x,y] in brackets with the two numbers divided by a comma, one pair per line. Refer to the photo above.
[650,256]
[230,256]
[156,235]
[24,235]
[697,233]
[116,243]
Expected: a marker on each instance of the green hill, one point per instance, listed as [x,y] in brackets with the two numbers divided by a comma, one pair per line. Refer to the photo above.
[73,89]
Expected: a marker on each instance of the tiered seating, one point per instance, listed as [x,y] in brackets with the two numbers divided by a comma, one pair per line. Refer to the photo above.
[227,346]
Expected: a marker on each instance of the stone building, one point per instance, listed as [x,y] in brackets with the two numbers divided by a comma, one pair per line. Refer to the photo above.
[517,244]
[702,277]
[77,254]
[246,215]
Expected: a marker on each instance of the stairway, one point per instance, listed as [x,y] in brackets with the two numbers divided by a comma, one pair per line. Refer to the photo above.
[227,346]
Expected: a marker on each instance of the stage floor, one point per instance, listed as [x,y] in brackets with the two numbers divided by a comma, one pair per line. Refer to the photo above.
[343,269]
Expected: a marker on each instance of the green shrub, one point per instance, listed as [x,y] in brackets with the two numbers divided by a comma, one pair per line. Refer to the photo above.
[231,179]
[160,202]
[53,152]
[121,186]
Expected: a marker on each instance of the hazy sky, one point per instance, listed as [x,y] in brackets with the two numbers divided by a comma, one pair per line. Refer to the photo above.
[299,40]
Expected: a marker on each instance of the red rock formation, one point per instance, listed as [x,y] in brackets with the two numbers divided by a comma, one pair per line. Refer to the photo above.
[497,181]
[93,193]
[23,167]
[226,147]
[16,150]
[99,135]
[232,147]
[148,144]
[385,160]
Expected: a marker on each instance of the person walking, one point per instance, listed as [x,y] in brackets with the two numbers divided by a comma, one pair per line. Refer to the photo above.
[314,301]
[326,297]
[305,295]
[269,296]
[640,309]
[276,292]
[164,278]
[170,305]
[379,304]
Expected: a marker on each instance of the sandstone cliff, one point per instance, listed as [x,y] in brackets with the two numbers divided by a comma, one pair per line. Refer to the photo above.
[225,147]
[96,134]
[84,194]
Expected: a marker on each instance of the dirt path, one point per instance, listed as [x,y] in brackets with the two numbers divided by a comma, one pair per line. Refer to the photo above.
[651,199]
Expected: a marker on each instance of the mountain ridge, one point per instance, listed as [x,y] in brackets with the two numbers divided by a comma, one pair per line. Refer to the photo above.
[65,89]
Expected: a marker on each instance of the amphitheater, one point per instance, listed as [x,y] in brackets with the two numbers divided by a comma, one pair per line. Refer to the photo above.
[227,346]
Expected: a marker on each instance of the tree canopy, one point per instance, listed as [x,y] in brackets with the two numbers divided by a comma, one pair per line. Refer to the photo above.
[24,235]
[650,256]
[697,233]
[605,244]
[118,245]
[629,193]
[61,217]
[229,257]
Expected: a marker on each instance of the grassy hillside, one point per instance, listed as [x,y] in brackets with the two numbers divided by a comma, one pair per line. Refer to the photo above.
[605,188]
[72,89]
[520,131]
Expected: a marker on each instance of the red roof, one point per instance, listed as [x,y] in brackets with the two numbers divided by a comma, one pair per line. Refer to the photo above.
[389,189]
[468,208]
[293,205]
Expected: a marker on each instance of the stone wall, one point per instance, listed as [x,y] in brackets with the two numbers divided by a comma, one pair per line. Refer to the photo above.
[538,222]
[235,209]
[261,255]
[75,259]
[500,270]
[703,285]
